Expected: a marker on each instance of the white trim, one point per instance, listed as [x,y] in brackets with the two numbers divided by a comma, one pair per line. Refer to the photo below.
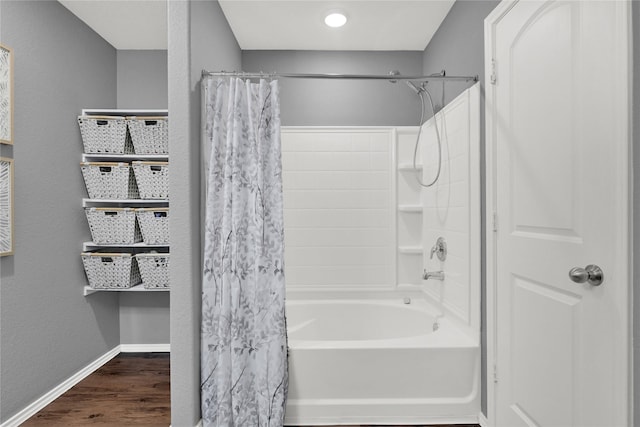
[60,389]
[474,309]
[354,420]
[624,78]
[197,425]
[483,421]
[145,348]
[490,23]
[393,173]
[631,268]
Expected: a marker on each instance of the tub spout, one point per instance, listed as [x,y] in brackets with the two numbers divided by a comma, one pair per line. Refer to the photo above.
[436,275]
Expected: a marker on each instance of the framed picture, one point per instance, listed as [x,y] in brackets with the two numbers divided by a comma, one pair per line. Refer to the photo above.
[6,206]
[6,95]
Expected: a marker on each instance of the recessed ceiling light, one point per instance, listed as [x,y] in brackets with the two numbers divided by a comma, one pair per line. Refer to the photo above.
[335,20]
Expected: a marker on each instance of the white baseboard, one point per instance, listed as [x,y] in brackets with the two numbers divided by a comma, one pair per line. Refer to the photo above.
[145,348]
[60,389]
[482,420]
[197,425]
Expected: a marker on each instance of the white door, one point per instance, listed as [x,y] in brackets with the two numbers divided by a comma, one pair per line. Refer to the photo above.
[558,170]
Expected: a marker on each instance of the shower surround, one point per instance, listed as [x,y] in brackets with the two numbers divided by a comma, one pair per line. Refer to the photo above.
[358,231]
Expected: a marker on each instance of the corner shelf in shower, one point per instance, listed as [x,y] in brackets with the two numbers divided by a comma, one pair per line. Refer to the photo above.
[410,250]
[410,208]
[405,167]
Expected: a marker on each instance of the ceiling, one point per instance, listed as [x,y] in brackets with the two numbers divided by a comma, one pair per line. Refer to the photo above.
[276,24]
[126,24]
[371,25]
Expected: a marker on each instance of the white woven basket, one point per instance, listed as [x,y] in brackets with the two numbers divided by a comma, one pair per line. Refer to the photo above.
[110,270]
[154,225]
[154,269]
[105,134]
[150,135]
[112,226]
[152,179]
[106,180]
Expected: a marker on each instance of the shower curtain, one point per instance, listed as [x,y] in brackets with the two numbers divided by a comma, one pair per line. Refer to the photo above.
[244,375]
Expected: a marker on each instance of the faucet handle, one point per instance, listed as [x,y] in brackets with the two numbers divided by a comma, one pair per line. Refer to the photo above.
[440,249]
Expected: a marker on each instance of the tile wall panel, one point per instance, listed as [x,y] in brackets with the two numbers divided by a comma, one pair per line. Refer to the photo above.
[339,202]
[447,208]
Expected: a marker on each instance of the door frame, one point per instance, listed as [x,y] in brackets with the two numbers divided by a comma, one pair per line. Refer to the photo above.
[623,72]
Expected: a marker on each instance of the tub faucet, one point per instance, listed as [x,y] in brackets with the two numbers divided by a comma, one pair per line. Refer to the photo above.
[436,275]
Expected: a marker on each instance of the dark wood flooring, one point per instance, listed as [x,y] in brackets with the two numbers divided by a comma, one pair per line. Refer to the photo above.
[132,389]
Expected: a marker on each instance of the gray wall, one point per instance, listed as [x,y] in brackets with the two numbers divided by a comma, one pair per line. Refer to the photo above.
[142,79]
[142,84]
[199,38]
[49,329]
[458,48]
[342,102]
[144,318]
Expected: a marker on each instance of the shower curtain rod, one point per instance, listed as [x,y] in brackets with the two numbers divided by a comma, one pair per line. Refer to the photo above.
[331,76]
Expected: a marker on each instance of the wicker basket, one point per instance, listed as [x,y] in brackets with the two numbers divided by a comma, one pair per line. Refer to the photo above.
[154,269]
[113,226]
[105,134]
[105,180]
[154,225]
[110,270]
[152,179]
[150,135]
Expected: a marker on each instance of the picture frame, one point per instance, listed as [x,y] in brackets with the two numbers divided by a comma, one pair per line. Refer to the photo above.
[6,95]
[6,206]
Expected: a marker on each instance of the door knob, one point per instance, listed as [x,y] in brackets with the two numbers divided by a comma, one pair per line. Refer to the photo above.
[591,273]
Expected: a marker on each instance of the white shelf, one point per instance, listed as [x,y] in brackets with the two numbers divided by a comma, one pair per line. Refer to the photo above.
[135,202]
[411,250]
[116,112]
[88,246]
[123,157]
[126,203]
[409,167]
[410,208]
[88,290]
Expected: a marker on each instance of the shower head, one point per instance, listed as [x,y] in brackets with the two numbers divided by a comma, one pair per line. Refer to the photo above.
[394,73]
[416,89]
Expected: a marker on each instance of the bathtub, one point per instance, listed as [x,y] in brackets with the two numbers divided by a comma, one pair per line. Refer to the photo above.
[378,362]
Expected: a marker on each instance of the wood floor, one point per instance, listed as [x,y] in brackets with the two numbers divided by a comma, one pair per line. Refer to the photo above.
[130,390]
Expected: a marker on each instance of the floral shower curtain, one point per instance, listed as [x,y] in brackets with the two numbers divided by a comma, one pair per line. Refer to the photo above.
[244,375]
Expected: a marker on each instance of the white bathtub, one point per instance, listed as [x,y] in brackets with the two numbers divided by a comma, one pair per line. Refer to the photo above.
[378,361]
